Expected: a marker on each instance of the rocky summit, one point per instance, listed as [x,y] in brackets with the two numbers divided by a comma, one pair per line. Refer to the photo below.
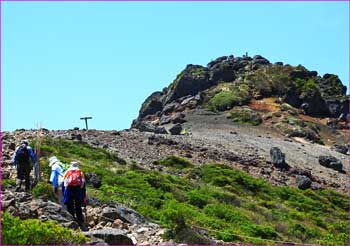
[240,150]
[247,106]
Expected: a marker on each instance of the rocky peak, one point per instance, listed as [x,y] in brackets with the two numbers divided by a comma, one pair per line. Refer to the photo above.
[238,80]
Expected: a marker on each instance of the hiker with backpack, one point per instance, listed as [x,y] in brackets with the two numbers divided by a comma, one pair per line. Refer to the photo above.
[56,178]
[21,161]
[74,191]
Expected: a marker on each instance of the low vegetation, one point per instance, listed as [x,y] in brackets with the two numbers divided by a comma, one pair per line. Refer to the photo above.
[34,231]
[245,116]
[226,99]
[174,161]
[44,191]
[229,204]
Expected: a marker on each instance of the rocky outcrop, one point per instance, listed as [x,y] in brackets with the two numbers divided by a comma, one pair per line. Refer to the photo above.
[331,162]
[190,81]
[152,105]
[23,205]
[317,96]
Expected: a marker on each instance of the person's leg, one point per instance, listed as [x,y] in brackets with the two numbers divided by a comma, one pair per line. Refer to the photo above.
[78,209]
[27,176]
[20,176]
[70,203]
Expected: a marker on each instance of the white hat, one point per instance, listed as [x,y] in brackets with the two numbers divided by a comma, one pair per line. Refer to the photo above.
[52,160]
[74,164]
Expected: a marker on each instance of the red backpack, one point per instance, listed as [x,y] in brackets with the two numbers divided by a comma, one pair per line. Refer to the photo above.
[75,178]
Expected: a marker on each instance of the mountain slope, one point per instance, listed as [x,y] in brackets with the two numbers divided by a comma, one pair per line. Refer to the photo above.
[198,204]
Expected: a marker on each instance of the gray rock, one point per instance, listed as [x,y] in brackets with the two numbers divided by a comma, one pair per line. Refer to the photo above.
[303,182]
[111,236]
[130,216]
[341,148]
[8,203]
[331,162]
[160,130]
[170,107]
[178,118]
[110,213]
[5,174]
[148,127]
[278,158]
[176,129]
[165,119]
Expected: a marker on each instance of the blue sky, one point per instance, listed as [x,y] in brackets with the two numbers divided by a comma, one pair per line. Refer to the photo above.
[64,60]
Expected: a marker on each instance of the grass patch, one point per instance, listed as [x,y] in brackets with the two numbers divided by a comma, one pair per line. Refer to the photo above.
[174,161]
[245,116]
[226,99]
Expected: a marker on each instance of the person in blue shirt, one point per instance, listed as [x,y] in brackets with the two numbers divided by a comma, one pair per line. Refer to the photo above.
[21,161]
[56,173]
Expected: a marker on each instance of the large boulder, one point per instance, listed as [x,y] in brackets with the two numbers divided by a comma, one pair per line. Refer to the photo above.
[331,162]
[128,215]
[222,70]
[316,104]
[190,81]
[278,158]
[111,236]
[303,182]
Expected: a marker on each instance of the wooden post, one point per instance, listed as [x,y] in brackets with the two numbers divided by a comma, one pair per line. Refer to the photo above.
[86,118]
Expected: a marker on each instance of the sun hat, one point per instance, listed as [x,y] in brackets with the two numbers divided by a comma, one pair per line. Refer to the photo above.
[74,164]
[52,160]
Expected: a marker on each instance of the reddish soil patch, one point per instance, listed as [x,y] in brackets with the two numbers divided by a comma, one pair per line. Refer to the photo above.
[264,105]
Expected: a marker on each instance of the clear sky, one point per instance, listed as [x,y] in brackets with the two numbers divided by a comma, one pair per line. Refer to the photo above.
[64,60]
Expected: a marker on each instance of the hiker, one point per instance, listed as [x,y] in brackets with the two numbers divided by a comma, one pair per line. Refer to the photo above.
[56,177]
[21,162]
[74,191]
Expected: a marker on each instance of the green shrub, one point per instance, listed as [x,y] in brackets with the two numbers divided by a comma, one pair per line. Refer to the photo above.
[224,100]
[305,86]
[8,182]
[174,161]
[34,231]
[199,198]
[245,116]
[334,87]
[44,191]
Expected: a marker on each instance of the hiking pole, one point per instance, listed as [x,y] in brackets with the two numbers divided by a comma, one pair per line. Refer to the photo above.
[37,149]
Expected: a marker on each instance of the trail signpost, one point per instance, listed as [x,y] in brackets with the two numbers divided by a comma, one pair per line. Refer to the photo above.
[86,118]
